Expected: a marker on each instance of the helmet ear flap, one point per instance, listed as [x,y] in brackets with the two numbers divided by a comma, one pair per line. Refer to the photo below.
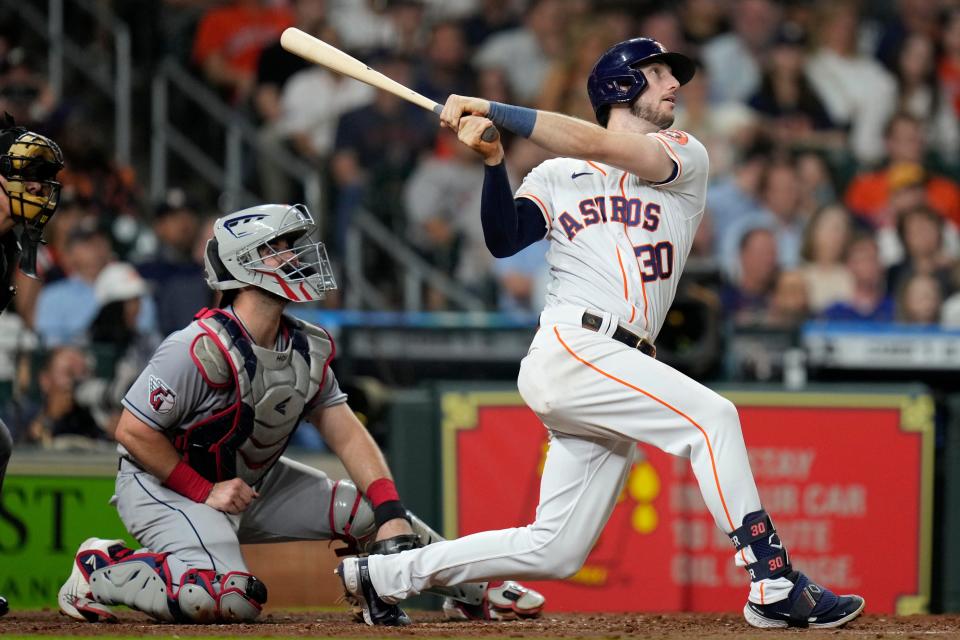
[220,271]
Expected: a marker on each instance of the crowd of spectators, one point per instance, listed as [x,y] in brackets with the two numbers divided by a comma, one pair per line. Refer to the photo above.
[833,128]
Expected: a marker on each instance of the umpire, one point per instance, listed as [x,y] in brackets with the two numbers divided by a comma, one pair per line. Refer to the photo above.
[28,169]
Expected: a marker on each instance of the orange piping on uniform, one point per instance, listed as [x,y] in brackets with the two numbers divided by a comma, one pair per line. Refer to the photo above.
[597,167]
[761,592]
[643,284]
[713,464]
[672,153]
[543,208]
[623,275]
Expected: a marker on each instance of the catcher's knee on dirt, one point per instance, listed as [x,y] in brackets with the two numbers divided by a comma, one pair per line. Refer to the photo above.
[142,582]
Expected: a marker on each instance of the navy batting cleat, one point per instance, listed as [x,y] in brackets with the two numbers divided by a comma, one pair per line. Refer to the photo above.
[355,576]
[4,606]
[807,605]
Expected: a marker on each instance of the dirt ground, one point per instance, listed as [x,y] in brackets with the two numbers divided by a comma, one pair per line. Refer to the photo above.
[431,624]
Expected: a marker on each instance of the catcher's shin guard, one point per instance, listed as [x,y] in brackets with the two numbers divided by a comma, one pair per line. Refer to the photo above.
[234,597]
[141,581]
[74,598]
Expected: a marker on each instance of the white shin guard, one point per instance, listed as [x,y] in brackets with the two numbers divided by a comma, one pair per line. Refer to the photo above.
[136,584]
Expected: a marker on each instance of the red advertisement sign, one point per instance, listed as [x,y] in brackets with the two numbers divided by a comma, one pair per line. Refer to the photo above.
[846,478]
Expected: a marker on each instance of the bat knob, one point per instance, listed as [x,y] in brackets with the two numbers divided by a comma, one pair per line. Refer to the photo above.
[490,134]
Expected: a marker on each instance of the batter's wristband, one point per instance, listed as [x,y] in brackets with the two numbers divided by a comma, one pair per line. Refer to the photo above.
[187,482]
[389,510]
[520,120]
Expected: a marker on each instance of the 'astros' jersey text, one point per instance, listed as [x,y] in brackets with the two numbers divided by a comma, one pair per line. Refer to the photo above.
[618,243]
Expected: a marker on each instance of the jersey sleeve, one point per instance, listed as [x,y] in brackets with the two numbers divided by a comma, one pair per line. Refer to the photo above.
[691,164]
[170,387]
[328,394]
[536,188]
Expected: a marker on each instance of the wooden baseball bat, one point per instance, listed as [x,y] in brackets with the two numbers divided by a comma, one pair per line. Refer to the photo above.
[319,52]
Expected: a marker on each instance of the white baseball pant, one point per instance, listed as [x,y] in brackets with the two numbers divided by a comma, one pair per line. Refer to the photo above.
[597,397]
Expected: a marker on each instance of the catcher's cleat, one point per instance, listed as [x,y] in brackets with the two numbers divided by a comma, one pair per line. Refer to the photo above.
[355,576]
[807,605]
[74,598]
[4,606]
[507,600]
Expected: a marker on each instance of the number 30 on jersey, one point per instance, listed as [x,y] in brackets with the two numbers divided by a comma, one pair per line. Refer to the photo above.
[656,260]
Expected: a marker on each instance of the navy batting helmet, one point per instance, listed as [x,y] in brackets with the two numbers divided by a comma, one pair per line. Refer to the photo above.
[616,79]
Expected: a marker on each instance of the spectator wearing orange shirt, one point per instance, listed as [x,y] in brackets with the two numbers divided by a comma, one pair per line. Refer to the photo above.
[869,193]
[229,41]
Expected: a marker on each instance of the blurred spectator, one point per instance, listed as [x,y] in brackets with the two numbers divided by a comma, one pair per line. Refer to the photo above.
[375,150]
[816,182]
[444,68]
[725,128]
[856,90]
[92,175]
[736,197]
[66,307]
[311,124]
[522,279]
[734,59]
[789,302]
[701,20]
[948,68]
[230,38]
[920,94]
[920,18]
[780,212]
[791,110]
[24,93]
[664,26]
[869,194]
[921,234]
[525,53]
[175,277]
[60,420]
[442,200]
[276,65]
[746,299]
[824,241]
[494,16]
[121,347]
[366,25]
[919,300]
[869,299]
[563,88]
[950,310]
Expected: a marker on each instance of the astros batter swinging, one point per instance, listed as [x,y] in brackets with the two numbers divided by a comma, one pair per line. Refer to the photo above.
[620,212]
[201,440]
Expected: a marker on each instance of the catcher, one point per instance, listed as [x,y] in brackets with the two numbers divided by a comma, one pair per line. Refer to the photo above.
[201,440]
[29,164]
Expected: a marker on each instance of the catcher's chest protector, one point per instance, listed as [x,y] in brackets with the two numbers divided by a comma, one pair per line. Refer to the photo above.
[271,388]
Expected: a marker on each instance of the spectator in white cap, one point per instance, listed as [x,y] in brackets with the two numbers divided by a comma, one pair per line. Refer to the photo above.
[120,339]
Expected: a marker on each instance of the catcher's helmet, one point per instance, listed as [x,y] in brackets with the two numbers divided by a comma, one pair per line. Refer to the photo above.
[240,253]
[29,163]
[616,78]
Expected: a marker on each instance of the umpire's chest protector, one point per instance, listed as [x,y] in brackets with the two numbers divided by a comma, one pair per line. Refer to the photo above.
[271,390]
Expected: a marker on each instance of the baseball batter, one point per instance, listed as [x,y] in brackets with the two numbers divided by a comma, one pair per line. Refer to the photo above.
[202,437]
[29,164]
[620,212]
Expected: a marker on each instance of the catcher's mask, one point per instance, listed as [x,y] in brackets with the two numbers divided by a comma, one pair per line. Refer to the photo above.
[29,165]
[269,247]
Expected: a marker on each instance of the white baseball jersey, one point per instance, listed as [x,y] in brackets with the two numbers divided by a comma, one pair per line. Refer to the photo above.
[619,243]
